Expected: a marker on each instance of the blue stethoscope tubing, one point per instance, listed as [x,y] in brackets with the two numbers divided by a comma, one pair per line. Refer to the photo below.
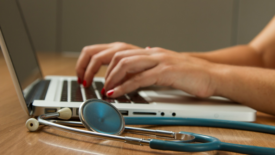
[208,143]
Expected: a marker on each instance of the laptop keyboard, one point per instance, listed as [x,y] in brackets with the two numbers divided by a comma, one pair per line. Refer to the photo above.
[90,93]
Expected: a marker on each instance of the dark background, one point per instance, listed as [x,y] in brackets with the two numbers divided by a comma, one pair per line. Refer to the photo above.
[180,25]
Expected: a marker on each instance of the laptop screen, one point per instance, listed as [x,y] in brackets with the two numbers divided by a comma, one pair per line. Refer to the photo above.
[18,43]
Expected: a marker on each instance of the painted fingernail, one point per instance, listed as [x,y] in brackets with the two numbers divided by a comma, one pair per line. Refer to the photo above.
[84,83]
[103,92]
[110,92]
[79,81]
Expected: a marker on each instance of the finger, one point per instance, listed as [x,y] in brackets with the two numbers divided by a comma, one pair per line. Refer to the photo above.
[95,63]
[120,55]
[143,79]
[86,54]
[132,64]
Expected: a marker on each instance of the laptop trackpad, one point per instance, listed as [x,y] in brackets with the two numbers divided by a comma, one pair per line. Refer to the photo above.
[180,97]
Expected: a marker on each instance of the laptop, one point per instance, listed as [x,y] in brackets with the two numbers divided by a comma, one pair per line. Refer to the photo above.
[39,95]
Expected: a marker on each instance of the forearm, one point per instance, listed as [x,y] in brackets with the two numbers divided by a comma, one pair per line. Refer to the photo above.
[241,55]
[250,86]
[260,52]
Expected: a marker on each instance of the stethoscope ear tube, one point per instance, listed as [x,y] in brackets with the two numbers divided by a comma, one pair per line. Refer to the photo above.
[246,149]
[200,122]
[209,144]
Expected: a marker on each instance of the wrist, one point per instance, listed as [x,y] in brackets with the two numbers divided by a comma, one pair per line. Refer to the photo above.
[219,74]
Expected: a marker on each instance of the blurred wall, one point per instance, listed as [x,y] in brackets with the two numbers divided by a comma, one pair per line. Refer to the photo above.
[41,19]
[253,16]
[181,25]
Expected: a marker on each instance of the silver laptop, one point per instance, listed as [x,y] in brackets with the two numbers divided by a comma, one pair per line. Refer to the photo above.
[39,95]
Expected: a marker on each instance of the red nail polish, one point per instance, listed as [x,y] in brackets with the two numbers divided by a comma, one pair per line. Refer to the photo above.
[84,83]
[110,92]
[79,81]
[103,92]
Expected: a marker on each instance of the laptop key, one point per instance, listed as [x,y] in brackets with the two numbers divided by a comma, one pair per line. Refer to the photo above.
[64,94]
[99,85]
[90,93]
[76,95]
[136,98]
[123,99]
[110,100]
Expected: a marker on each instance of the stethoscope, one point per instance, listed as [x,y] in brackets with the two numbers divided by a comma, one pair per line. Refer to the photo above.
[106,122]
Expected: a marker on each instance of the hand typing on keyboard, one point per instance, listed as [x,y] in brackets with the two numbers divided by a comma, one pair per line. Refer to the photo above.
[150,66]
[93,56]
[158,66]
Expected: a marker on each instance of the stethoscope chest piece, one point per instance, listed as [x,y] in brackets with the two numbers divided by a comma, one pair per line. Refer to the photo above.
[101,116]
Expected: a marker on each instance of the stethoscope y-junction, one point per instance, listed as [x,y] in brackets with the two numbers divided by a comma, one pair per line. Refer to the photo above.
[106,122]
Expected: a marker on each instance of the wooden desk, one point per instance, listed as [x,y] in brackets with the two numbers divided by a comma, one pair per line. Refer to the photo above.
[15,138]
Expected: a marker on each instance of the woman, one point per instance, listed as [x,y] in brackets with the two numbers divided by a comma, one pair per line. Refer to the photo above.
[243,73]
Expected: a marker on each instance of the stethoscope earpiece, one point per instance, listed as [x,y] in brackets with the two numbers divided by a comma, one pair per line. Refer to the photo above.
[32,124]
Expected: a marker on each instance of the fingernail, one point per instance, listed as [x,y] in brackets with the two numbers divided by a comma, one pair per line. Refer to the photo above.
[148,47]
[84,83]
[110,92]
[79,81]
[103,92]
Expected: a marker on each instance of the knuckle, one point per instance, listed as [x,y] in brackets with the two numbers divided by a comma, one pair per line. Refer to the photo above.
[117,56]
[94,60]
[117,42]
[89,49]
[162,57]
[85,49]
[124,62]
[97,57]
[120,45]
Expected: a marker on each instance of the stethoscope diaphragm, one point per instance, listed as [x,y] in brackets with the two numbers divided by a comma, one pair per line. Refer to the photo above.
[101,116]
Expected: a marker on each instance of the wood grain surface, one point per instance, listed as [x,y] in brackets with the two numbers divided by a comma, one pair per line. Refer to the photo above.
[16,139]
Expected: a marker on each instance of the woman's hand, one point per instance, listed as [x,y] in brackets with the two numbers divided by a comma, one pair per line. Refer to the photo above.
[157,66]
[92,57]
